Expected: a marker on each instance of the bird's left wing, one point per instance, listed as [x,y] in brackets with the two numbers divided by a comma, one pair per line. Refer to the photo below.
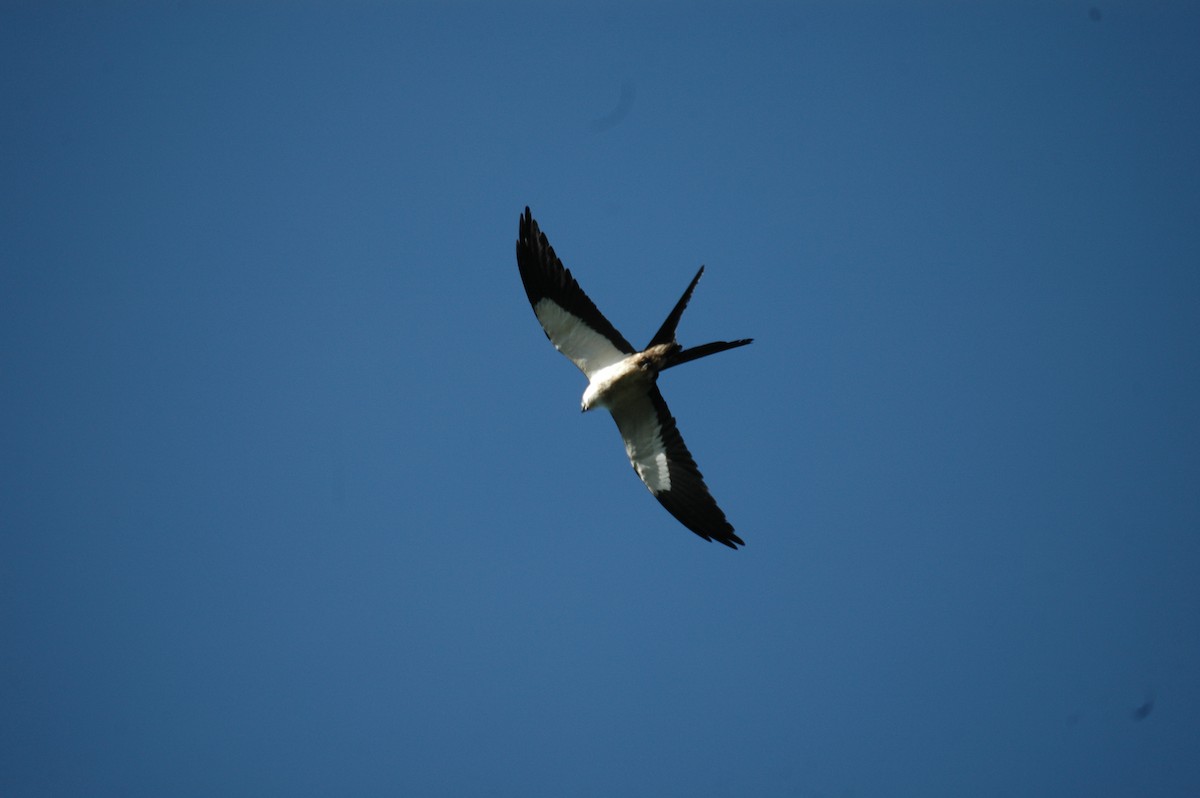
[661,459]
[571,322]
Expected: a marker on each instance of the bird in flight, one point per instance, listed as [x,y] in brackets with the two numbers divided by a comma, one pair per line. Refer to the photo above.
[625,380]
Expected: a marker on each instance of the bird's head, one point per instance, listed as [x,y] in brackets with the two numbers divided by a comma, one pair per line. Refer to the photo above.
[590,400]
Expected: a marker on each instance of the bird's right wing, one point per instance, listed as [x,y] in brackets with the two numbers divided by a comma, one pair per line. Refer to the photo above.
[570,320]
[661,459]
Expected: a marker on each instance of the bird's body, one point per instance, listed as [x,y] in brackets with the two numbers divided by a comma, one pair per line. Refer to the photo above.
[636,373]
[624,380]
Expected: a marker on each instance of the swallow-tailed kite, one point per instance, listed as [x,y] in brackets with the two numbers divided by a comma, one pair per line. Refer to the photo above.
[624,380]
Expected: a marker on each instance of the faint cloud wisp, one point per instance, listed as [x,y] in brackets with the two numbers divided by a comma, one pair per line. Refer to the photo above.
[617,114]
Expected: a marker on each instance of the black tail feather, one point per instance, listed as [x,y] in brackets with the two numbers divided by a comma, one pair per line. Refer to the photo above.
[666,333]
[704,350]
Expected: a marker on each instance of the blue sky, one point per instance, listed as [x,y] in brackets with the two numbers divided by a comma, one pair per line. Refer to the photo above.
[296,499]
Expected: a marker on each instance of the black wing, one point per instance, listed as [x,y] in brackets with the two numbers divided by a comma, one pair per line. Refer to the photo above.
[570,320]
[663,462]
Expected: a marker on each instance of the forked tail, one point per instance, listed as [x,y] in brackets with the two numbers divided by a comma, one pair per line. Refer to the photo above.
[666,333]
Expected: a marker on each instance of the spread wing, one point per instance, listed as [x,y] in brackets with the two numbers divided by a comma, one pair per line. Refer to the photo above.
[661,459]
[571,321]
